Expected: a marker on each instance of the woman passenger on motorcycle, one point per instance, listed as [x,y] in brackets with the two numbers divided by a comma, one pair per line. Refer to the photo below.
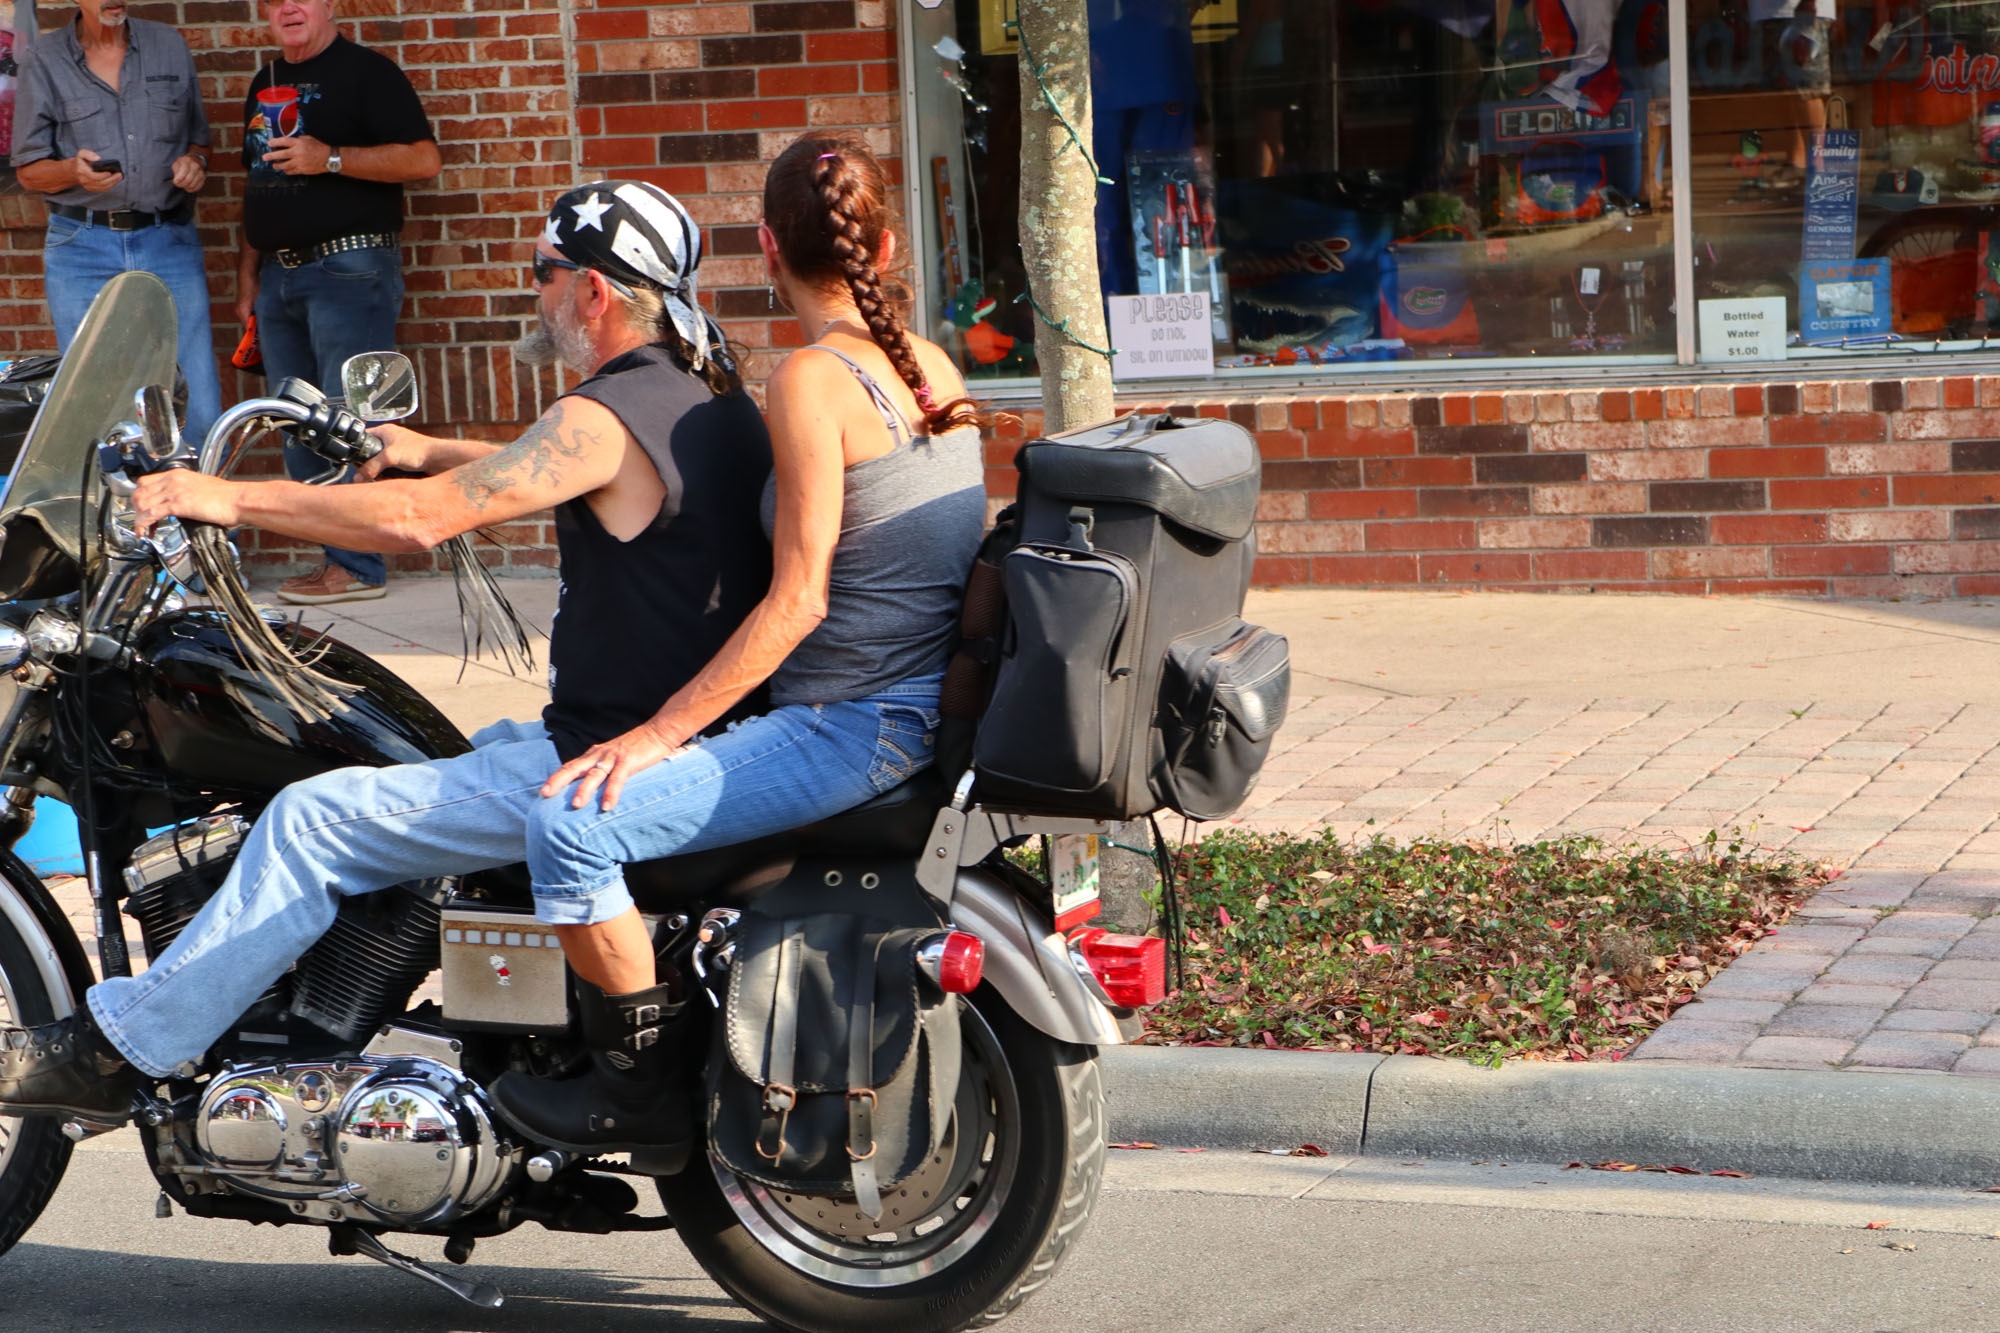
[875,509]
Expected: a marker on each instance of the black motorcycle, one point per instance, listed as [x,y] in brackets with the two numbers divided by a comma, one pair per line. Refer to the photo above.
[168,722]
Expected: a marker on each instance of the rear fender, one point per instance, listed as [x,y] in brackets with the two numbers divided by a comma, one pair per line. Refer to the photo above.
[31,910]
[1031,966]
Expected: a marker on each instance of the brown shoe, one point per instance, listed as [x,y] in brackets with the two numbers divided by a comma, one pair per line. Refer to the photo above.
[328,583]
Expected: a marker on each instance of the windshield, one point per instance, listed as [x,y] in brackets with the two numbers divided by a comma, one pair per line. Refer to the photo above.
[126,342]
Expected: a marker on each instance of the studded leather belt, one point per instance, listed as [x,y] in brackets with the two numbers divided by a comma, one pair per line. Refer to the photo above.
[374,240]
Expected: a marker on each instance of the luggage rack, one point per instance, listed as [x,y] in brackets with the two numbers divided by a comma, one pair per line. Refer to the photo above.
[964,834]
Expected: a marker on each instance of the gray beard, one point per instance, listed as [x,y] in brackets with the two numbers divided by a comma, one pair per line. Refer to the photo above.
[555,342]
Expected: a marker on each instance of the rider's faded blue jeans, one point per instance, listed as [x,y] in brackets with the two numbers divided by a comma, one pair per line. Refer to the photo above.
[357,830]
[80,257]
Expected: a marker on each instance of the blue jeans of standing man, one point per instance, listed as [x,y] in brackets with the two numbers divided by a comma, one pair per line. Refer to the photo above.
[357,830]
[310,319]
[80,258]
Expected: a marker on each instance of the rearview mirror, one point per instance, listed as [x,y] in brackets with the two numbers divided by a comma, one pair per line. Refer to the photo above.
[153,411]
[379,386]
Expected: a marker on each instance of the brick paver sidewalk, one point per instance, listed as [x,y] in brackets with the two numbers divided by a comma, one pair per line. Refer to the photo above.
[1883,969]
[1903,785]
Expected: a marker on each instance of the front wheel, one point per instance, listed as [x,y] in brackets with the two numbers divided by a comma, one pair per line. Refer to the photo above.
[33,1152]
[974,1232]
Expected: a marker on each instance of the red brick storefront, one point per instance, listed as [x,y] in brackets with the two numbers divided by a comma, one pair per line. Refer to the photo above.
[1853,487]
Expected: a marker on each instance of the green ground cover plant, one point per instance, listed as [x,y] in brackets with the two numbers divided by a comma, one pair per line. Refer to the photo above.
[1566,949]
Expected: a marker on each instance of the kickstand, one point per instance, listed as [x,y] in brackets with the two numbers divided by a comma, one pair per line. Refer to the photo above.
[474,1293]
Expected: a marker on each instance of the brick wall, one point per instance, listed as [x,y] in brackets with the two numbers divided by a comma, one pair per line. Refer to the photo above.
[1888,488]
[698,97]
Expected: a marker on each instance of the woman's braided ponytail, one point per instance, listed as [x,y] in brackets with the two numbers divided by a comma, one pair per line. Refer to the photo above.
[826,201]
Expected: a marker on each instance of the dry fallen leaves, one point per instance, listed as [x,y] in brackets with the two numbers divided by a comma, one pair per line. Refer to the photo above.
[1667,1169]
[1137,1144]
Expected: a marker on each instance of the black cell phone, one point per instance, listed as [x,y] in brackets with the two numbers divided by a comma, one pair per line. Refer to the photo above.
[107,166]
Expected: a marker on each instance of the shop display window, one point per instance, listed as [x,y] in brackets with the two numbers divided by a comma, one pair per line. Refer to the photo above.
[1384,185]
[1370,183]
[1846,162]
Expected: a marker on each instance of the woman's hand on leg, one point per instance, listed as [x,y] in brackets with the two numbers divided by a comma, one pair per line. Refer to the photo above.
[607,766]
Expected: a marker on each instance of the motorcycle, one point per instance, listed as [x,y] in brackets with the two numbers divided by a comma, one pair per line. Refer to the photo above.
[336,1101]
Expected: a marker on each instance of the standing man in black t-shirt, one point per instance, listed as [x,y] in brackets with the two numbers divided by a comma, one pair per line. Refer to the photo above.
[333,132]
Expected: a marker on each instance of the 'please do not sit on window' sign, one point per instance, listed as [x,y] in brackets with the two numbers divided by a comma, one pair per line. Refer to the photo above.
[1156,337]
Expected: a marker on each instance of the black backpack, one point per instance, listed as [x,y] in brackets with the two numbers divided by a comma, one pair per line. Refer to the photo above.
[1104,622]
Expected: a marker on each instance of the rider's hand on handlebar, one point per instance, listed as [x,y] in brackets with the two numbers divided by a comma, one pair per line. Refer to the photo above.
[402,451]
[182,493]
[611,764]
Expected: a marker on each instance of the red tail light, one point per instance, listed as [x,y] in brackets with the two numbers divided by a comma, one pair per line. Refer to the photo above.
[954,962]
[1131,968]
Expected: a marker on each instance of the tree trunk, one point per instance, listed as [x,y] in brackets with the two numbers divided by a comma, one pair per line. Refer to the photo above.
[1058,210]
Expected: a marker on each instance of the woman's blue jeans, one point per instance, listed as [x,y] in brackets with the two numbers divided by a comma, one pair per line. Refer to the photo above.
[80,257]
[357,830]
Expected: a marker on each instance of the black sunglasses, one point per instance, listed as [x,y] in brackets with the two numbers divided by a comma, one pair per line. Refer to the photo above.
[544,268]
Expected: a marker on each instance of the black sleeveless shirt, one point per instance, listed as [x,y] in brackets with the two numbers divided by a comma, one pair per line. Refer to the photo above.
[636,620]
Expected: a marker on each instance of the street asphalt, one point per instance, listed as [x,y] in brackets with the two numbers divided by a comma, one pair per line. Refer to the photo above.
[1912,1126]
[1215,1242]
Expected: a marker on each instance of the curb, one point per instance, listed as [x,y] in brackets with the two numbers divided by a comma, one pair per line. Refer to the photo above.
[1908,1129]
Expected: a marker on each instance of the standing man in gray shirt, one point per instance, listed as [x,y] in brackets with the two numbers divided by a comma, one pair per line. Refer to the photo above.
[109,128]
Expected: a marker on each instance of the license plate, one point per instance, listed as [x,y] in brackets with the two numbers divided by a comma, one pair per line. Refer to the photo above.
[1073,874]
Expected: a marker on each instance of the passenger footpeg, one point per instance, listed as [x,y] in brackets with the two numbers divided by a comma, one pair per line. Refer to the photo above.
[353,1240]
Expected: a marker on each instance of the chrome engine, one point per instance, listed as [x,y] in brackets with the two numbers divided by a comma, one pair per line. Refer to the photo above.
[398,1139]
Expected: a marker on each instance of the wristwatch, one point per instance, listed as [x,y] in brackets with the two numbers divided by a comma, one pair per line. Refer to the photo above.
[333,161]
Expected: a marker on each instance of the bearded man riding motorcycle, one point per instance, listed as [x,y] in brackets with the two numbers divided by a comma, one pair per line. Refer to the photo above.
[655,464]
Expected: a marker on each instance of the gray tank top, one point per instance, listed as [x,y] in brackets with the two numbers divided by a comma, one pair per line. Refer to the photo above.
[910,524]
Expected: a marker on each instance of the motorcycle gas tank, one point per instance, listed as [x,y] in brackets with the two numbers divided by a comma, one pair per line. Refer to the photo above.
[217,722]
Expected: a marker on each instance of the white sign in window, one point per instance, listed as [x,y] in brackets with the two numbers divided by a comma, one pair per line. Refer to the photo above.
[1742,329]
[1154,337]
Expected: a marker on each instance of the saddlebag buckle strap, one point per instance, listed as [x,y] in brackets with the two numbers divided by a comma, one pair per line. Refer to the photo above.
[861,1099]
[779,1094]
[860,1124]
[779,1099]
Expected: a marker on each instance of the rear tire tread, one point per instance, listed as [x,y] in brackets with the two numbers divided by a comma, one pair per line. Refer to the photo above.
[1083,1092]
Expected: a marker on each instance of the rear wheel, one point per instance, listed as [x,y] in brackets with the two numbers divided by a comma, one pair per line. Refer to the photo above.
[33,1152]
[974,1232]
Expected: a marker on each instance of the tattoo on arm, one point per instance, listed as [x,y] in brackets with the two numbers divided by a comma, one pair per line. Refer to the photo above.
[535,458]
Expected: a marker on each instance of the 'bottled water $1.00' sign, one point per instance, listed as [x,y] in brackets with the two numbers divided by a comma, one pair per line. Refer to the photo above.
[1155,337]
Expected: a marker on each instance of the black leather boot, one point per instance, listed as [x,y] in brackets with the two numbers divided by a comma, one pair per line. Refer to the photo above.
[634,1097]
[67,1067]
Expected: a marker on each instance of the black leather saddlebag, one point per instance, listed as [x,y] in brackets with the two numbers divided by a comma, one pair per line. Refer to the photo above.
[838,1060]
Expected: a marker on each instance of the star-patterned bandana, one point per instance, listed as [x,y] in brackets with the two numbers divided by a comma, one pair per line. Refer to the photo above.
[639,236]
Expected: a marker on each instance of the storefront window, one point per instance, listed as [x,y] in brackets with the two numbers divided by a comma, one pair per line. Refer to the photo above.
[1367,183]
[1846,162]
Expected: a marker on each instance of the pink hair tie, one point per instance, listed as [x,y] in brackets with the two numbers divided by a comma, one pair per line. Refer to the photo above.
[824,156]
[924,399]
